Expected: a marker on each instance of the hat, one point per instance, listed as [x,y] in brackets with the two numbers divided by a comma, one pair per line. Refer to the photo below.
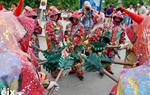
[76,15]
[28,23]
[118,14]
[59,7]
[96,16]
[29,12]
[53,11]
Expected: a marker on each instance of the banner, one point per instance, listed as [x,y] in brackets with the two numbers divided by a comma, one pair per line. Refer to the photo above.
[97,4]
[43,4]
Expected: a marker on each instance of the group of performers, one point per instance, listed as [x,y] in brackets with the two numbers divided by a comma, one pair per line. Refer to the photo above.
[90,42]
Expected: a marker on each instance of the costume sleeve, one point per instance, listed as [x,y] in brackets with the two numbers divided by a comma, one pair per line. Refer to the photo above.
[81,30]
[38,28]
[49,27]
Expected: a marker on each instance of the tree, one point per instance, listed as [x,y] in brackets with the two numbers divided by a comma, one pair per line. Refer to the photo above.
[71,4]
[109,2]
[67,4]
[147,2]
[126,3]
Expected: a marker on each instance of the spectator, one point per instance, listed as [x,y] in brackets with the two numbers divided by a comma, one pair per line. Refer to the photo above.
[108,15]
[86,18]
[13,7]
[127,19]
[131,9]
[143,11]
[119,7]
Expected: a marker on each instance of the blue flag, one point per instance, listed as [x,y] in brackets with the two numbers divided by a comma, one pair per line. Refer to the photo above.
[97,4]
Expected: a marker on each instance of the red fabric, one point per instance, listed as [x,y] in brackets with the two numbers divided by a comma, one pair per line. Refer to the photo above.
[140,47]
[78,36]
[34,58]
[30,13]
[38,29]
[30,82]
[52,13]
[50,28]
[118,14]
[109,52]
[95,36]
[76,15]
[29,25]
[131,34]
[122,38]
[116,29]
[137,18]
[113,37]
[114,90]
[18,11]
[1,6]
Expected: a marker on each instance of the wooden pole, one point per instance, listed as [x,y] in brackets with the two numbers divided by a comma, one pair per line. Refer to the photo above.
[122,63]
[51,91]
[110,76]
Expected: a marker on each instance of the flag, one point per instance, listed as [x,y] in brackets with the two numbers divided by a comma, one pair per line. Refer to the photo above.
[97,4]
[43,4]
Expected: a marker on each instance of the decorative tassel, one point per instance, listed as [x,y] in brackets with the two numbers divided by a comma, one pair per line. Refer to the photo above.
[137,18]
[19,8]
[1,6]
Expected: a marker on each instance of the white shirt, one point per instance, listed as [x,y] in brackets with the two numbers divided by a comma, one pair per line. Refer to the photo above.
[131,10]
[143,11]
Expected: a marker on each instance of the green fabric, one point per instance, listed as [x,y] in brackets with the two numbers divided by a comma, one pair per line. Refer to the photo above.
[98,46]
[105,60]
[96,62]
[93,63]
[66,63]
[52,60]
[118,35]
[55,61]
[77,49]
[1,86]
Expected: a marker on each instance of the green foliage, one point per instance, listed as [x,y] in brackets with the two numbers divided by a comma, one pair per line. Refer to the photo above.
[8,3]
[67,4]
[55,61]
[96,62]
[147,2]
[32,3]
[70,4]
[78,49]
[105,60]
[52,60]
[100,45]
[93,63]
[126,3]
[66,63]
[52,56]
[109,2]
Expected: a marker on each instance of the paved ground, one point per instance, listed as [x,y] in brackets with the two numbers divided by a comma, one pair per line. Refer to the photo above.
[92,85]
